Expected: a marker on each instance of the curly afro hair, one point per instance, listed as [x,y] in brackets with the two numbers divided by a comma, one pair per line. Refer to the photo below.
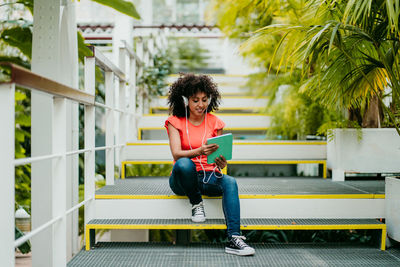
[188,85]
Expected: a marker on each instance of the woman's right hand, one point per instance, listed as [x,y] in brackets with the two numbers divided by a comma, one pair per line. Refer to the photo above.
[208,149]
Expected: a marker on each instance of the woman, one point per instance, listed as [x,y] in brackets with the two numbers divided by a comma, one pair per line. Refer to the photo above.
[191,99]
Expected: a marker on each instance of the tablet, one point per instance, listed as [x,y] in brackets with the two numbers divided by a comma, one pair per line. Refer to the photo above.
[225,143]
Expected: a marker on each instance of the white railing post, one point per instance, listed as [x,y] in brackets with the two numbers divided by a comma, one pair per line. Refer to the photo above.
[110,157]
[89,140]
[59,184]
[73,245]
[141,54]
[7,193]
[122,106]
[46,61]
[148,61]
[132,129]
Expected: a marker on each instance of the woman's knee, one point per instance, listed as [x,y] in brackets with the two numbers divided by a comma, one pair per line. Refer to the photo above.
[229,183]
[184,165]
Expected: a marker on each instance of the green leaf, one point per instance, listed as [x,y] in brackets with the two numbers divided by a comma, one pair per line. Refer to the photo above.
[23,120]
[19,135]
[16,60]
[124,7]
[19,96]
[83,50]
[19,37]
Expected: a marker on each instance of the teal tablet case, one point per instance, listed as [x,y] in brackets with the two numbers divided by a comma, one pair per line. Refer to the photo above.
[225,143]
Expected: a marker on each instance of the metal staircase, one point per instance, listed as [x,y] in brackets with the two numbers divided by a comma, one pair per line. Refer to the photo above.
[134,135]
[267,203]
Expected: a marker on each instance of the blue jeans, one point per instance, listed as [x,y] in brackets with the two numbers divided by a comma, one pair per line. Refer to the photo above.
[186,181]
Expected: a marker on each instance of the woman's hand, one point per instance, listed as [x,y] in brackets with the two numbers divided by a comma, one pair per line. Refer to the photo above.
[221,162]
[208,149]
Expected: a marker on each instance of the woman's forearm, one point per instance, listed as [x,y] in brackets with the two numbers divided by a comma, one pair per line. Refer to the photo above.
[188,153]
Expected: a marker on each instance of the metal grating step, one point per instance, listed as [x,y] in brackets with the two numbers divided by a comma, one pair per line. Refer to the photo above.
[250,187]
[246,224]
[211,254]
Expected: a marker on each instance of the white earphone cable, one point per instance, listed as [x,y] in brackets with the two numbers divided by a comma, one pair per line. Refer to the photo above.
[202,142]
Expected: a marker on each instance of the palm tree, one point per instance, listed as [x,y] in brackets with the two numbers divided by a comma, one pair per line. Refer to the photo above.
[348,53]
[293,114]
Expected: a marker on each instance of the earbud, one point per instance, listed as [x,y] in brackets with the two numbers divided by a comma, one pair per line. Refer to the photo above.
[185,101]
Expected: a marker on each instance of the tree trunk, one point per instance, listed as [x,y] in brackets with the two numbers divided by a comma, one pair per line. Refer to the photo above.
[355,115]
[372,114]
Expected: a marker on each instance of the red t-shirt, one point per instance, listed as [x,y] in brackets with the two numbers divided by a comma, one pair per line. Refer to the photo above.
[196,134]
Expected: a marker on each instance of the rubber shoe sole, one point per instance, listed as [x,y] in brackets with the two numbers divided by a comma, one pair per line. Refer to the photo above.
[241,252]
[198,219]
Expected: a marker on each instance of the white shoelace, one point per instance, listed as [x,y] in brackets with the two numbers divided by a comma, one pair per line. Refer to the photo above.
[238,240]
[198,209]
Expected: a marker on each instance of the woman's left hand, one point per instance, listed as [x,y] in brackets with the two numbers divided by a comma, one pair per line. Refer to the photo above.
[221,162]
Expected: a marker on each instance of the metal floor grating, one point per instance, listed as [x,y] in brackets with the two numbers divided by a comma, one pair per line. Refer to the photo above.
[250,185]
[243,222]
[159,254]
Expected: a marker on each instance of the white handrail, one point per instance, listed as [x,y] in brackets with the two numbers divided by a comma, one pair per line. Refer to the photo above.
[28,236]
[132,53]
[104,63]
[28,79]
[117,125]
[108,147]
[97,104]
[24,161]
[77,206]
[80,151]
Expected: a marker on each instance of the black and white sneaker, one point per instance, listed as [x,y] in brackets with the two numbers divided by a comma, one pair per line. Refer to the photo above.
[238,247]
[198,214]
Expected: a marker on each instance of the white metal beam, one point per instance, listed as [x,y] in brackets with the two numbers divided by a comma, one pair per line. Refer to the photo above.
[7,154]
[90,134]
[70,76]
[109,88]
[132,128]
[59,182]
[45,61]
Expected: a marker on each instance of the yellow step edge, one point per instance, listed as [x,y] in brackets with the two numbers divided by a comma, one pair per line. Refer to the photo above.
[226,128]
[219,114]
[242,227]
[215,74]
[251,196]
[294,226]
[225,170]
[231,96]
[139,133]
[220,108]
[267,143]
[124,163]
[234,84]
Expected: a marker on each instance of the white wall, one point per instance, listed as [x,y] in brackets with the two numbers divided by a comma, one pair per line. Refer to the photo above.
[378,151]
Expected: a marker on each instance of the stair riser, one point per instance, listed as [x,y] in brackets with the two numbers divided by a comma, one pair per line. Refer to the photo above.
[250,208]
[226,102]
[250,121]
[221,80]
[240,152]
